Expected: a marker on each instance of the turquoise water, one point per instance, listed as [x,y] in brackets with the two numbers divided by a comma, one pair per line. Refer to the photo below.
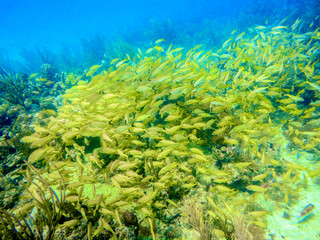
[63,32]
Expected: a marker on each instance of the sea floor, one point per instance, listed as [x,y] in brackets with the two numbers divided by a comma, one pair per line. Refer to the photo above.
[284,221]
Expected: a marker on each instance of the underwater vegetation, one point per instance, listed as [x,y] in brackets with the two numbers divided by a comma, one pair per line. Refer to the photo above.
[22,98]
[15,88]
[22,90]
[33,59]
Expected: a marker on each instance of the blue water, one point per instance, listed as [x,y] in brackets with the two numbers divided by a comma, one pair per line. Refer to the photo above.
[61,27]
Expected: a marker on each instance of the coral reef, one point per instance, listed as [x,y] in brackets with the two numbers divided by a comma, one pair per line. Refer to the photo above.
[161,123]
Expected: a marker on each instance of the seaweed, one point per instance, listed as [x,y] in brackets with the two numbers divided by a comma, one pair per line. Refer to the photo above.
[15,88]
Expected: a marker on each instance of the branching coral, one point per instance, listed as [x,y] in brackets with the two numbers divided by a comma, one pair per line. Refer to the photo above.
[13,229]
[198,221]
[233,225]
[38,225]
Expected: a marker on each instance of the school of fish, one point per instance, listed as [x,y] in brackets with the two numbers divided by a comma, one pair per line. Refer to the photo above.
[155,125]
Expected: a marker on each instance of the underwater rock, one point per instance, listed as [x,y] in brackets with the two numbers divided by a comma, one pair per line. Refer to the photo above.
[257,232]
[130,219]
[5,120]
[286,215]
[49,105]
[9,192]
